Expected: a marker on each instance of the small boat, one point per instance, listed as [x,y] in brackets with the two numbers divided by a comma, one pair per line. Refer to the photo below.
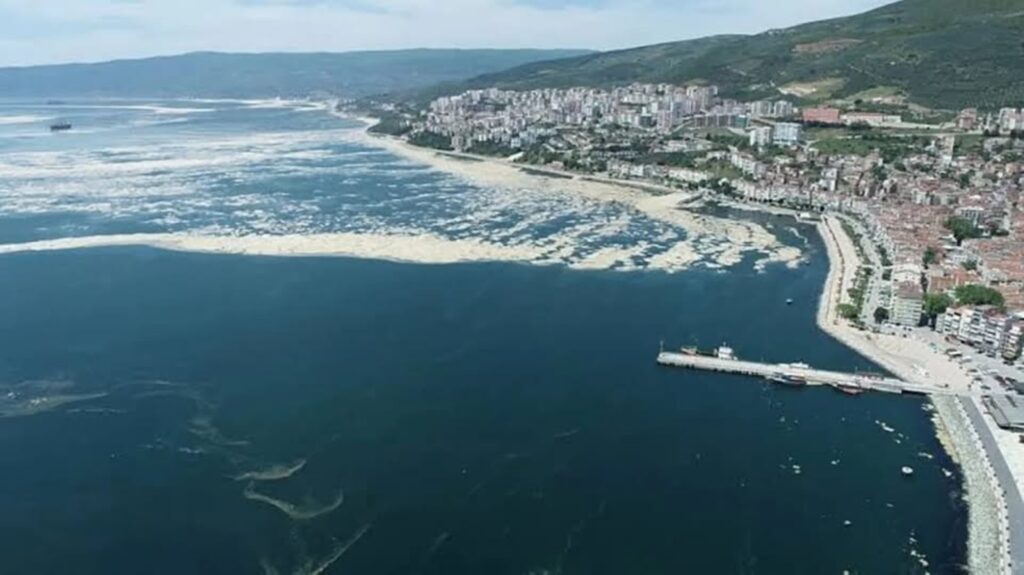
[908,471]
[848,389]
[725,352]
[60,127]
[787,380]
[789,301]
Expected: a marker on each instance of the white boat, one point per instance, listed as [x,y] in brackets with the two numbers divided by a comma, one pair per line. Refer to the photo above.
[907,470]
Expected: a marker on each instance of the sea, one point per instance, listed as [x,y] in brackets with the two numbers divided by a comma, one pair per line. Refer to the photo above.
[179,412]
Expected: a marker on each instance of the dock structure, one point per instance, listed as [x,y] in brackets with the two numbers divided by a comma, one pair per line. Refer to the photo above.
[797,372]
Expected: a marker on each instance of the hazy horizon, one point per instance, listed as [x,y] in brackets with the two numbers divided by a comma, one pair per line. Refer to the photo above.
[64,31]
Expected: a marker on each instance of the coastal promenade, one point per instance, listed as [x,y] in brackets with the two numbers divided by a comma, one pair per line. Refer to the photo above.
[993,493]
[1011,532]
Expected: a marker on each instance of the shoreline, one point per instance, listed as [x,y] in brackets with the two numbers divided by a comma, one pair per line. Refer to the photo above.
[713,241]
[988,541]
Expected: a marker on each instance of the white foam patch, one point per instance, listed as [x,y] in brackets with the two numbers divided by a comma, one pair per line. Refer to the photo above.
[685,238]
[23,119]
[152,108]
[418,249]
[341,192]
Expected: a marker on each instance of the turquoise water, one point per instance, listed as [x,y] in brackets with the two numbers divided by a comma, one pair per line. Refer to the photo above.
[473,418]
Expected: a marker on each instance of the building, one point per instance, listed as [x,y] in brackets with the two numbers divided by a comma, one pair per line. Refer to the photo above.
[871,119]
[968,119]
[947,150]
[984,328]
[688,175]
[1007,411]
[761,109]
[783,109]
[760,136]
[821,116]
[1013,342]
[907,305]
[747,164]
[907,273]
[786,134]
[1010,120]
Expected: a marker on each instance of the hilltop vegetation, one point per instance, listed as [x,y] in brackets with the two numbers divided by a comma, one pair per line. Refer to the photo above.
[938,53]
[208,74]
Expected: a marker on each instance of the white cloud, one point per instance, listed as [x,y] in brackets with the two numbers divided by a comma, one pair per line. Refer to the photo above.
[33,32]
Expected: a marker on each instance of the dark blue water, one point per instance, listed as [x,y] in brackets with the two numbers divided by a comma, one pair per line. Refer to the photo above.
[179,413]
[479,418]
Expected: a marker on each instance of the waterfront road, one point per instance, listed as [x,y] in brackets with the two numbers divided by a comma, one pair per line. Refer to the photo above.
[1012,495]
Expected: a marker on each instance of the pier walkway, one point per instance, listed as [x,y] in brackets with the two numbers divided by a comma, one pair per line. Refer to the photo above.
[798,372]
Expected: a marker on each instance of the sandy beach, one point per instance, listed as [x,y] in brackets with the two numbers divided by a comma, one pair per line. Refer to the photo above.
[915,361]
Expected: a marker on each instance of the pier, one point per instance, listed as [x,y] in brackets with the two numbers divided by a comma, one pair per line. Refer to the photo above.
[796,372]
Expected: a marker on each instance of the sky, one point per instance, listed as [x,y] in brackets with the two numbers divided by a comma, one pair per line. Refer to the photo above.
[57,31]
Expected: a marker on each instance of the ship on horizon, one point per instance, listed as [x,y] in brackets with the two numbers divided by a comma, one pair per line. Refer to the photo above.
[60,126]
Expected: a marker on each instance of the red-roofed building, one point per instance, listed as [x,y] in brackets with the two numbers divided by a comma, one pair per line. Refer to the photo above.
[821,115]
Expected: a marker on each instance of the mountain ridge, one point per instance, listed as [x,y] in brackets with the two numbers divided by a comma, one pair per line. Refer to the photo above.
[938,53]
[225,74]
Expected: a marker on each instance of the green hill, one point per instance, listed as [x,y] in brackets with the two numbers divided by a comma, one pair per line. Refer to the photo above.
[209,74]
[939,53]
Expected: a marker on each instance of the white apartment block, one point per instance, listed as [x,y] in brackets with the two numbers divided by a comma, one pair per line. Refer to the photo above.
[984,328]
[907,305]
[786,133]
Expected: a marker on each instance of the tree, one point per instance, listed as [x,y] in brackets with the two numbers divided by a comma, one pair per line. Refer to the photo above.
[974,294]
[936,303]
[962,229]
[847,311]
[428,139]
[965,179]
[930,256]
[881,314]
[970,265]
